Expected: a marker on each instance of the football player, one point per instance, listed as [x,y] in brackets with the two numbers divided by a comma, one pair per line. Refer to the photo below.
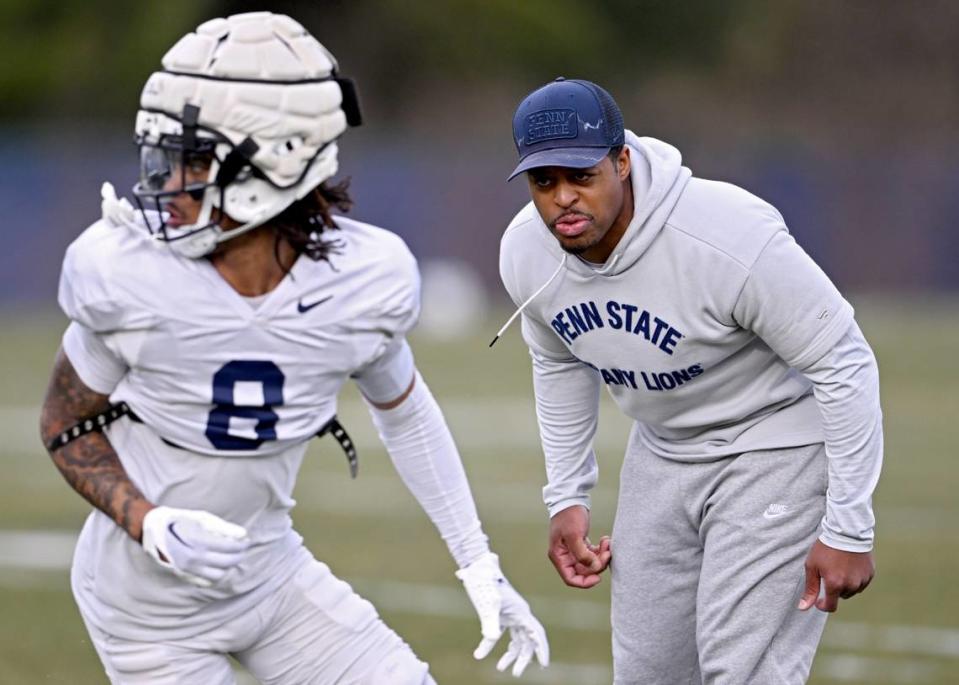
[210,333]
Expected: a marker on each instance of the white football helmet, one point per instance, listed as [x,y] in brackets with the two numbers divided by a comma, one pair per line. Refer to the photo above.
[255,99]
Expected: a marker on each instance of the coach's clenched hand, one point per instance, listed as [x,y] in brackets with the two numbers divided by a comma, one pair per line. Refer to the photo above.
[843,574]
[577,560]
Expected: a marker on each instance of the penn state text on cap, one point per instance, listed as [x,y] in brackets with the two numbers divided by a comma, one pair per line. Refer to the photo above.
[568,123]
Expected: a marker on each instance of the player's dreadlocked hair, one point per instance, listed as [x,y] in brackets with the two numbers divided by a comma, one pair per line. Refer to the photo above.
[303,223]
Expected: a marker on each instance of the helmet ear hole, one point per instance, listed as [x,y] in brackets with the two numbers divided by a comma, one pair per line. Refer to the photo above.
[284,147]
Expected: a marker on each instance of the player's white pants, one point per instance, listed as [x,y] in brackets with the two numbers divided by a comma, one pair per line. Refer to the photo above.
[313,631]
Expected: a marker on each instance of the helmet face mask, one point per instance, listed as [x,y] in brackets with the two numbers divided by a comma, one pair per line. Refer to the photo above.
[173,163]
[161,163]
[244,145]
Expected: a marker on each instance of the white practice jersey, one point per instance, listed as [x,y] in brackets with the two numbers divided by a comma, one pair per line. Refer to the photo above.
[228,393]
[216,374]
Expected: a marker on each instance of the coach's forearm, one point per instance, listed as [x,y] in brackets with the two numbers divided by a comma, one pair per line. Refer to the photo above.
[567,409]
[89,464]
[846,385]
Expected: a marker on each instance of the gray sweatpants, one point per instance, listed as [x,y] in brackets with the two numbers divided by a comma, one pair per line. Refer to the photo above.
[708,568]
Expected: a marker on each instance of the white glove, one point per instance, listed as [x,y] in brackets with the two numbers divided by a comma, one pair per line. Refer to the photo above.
[499,607]
[196,545]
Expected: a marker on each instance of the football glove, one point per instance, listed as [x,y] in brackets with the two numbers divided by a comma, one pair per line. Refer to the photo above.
[500,607]
[196,545]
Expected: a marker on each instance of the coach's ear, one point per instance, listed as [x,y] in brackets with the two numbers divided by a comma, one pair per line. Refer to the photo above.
[623,163]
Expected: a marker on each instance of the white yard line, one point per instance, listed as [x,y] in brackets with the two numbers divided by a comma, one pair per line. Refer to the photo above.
[428,599]
[372,496]
[471,421]
[862,669]
[894,639]
[558,673]
[36,550]
[52,551]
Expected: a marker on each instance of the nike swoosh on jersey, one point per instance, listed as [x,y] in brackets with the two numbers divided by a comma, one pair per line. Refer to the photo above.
[302,308]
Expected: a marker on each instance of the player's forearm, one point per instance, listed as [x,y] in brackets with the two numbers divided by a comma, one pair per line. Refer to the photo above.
[89,464]
[567,406]
[423,451]
[846,385]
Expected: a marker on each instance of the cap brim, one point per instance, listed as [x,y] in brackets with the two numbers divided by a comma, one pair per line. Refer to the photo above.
[572,157]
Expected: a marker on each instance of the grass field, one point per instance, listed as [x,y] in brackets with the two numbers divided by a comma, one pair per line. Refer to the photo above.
[905,629]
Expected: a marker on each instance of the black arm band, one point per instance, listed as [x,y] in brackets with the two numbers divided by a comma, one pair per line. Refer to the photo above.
[94,424]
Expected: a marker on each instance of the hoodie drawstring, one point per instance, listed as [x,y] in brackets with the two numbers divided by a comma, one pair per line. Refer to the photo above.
[532,297]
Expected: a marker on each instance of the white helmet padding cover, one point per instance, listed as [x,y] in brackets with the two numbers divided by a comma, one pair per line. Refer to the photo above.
[261,87]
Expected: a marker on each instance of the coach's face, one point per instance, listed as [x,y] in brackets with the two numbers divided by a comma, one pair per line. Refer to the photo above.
[587,210]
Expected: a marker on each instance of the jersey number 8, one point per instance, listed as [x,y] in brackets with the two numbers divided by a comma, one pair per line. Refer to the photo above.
[270,378]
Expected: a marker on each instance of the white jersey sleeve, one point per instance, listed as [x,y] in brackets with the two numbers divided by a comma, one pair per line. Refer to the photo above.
[397,307]
[387,373]
[83,293]
[98,366]
[94,307]
[87,292]
[389,376]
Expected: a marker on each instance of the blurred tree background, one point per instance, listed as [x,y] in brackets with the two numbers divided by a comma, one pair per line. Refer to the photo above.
[854,67]
[841,112]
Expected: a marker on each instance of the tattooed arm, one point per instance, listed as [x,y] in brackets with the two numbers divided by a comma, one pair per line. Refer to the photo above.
[89,463]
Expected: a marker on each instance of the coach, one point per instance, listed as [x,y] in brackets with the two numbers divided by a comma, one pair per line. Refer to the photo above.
[745,494]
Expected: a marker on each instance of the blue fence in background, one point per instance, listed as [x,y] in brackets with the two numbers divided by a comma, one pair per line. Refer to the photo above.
[882,223]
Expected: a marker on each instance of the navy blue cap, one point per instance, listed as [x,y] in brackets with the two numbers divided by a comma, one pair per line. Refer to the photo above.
[568,123]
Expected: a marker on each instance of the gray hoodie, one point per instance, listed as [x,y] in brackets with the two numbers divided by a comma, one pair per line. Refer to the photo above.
[707,324]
